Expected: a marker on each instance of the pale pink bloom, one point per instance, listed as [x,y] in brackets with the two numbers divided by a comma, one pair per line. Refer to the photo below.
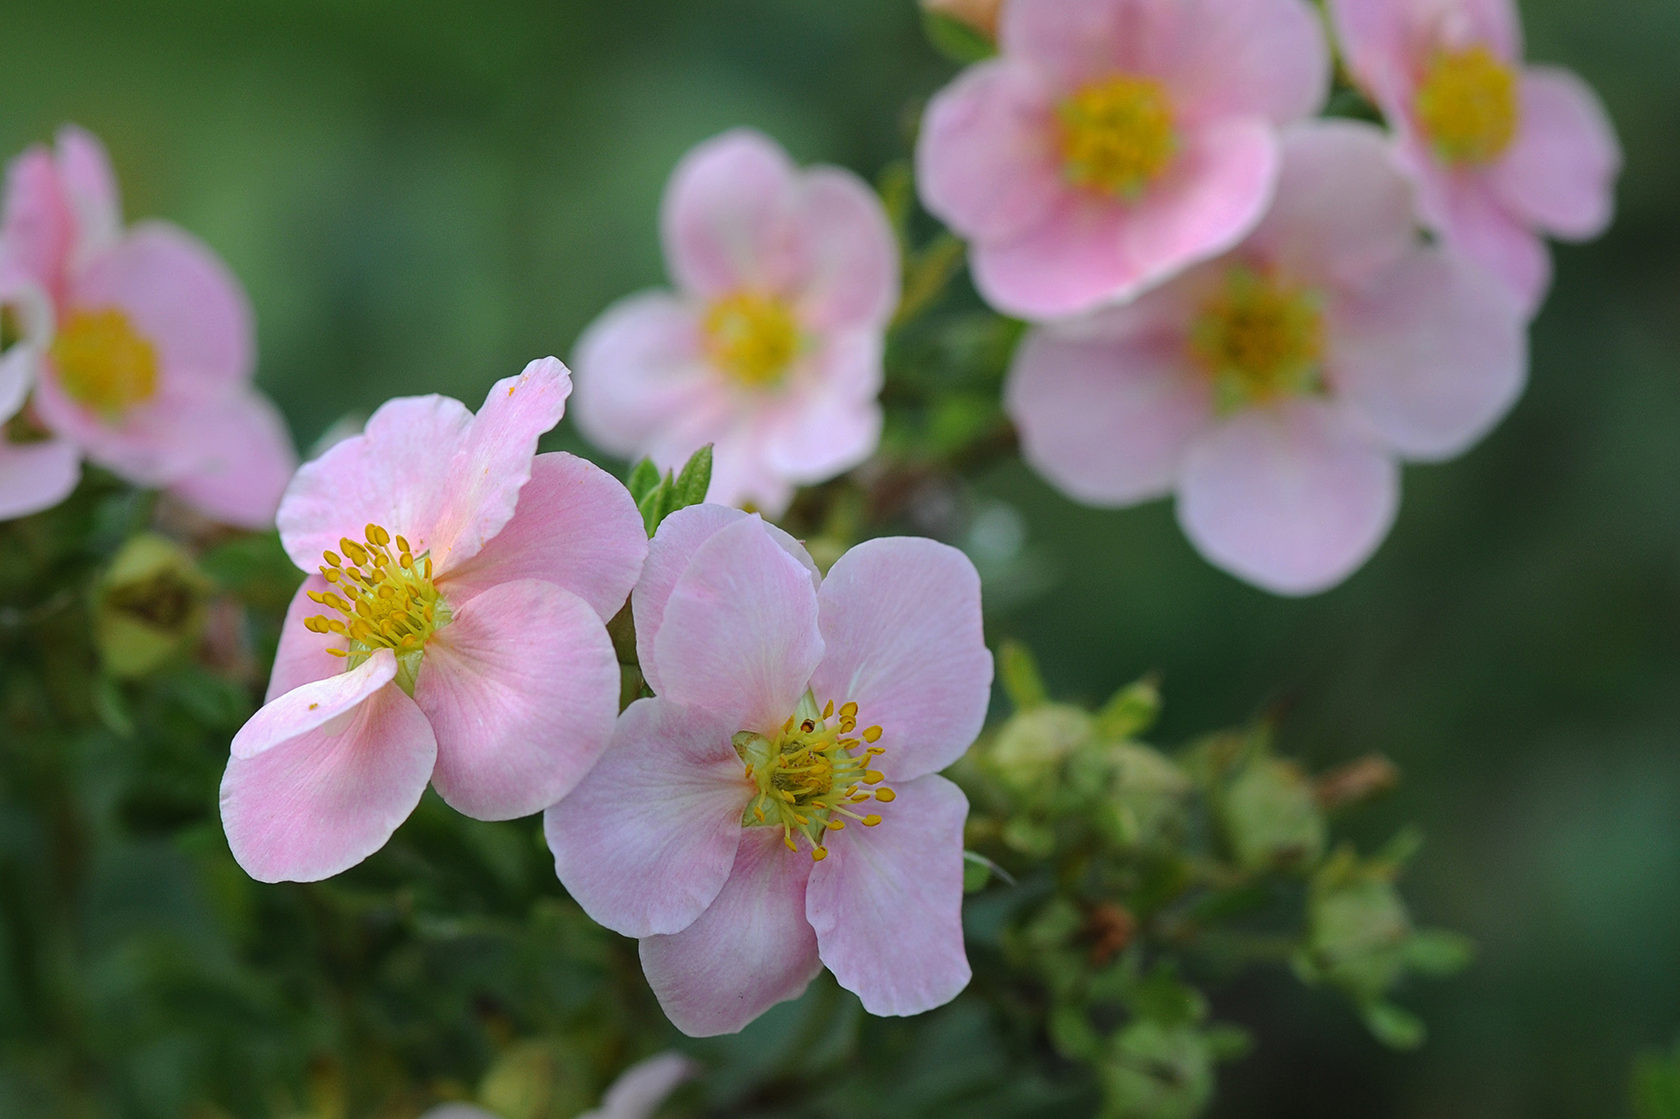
[1501,152]
[1273,389]
[636,1094]
[1115,142]
[147,366]
[467,578]
[770,349]
[741,823]
[33,475]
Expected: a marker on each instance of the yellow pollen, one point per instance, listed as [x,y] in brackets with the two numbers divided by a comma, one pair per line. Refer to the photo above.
[1259,339]
[104,363]
[1117,135]
[1468,106]
[807,772]
[753,338]
[388,600]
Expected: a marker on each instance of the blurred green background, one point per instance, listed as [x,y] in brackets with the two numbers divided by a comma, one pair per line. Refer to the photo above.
[421,196]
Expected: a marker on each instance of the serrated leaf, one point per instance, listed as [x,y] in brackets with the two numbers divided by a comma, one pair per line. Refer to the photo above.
[643,477]
[696,478]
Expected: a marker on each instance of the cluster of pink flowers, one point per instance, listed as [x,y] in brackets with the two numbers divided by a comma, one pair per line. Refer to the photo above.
[134,349]
[1235,304]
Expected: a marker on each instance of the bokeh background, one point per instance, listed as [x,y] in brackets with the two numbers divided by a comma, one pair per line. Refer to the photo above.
[421,196]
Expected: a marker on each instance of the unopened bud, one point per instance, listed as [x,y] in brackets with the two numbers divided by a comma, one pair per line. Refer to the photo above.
[150,606]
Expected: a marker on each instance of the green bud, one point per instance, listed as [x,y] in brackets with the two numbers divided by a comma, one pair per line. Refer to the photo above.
[149,606]
[1030,748]
[1154,1071]
[1358,936]
[1147,793]
[537,1079]
[1271,816]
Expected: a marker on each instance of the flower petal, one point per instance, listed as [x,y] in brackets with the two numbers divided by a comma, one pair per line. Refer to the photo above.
[319,801]
[1476,224]
[739,632]
[521,688]
[986,160]
[38,229]
[641,1088]
[1259,57]
[90,190]
[851,273]
[575,526]
[751,949]
[1107,420]
[901,625]
[833,423]
[302,657]
[887,902]
[1432,354]
[728,216]
[1077,43]
[36,476]
[245,461]
[646,840]
[1291,498]
[669,555]
[642,376]
[310,705]
[1561,171]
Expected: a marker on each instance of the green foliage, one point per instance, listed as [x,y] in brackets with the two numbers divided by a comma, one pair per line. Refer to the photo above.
[1656,1084]
[956,40]
[659,496]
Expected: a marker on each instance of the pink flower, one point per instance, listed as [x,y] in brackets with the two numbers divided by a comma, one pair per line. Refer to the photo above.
[771,348]
[636,1094]
[1274,388]
[740,823]
[33,475]
[454,633]
[147,364]
[1498,150]
[1115,142]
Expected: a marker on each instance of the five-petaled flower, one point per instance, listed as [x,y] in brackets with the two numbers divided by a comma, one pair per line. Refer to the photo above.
[454,632]
[145,356]
[1274,388]
[775,808]
[1498,150]
[1115,142]
[771,349]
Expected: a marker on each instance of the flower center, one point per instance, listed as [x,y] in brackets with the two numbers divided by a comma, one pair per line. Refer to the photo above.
[810,774]
[1117,135]
[104,363]
[385,599]
[752,337]
[1259,339]
[1468,106]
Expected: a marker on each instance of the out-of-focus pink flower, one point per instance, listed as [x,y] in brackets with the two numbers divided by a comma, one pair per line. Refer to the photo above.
[33,475]
[740,823]
[770,350]
[636,1094]
[1115,142]
[454,632]
[1498,150]
[1274,388]
[146,366]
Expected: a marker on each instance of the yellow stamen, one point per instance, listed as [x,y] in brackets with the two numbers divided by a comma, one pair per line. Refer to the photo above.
[388,600]
[752,337]
[1117,135]
[104,362]
[807,773]
[1468,105]
[1259,339]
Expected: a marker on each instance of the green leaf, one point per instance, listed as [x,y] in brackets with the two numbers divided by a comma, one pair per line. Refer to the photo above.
[955,39]
[643,477]
[1132,711]
[694,481]
[1395,1028]
[1439,952]
[1656,1085]
[1018,671]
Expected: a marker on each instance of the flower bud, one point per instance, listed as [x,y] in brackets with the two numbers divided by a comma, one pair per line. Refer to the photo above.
[1271,816]
[149,606]
[1030,748]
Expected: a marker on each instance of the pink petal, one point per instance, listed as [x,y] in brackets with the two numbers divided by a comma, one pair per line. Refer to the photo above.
[521,688]
[1432,354]
[833,423]
[641,373]
[90,190]
[642,1087]
[1065,264]
[459,1111]
[742,473]
[1560,173]
[1388,43]
[887,902]
[751,949]
[646,840]
[38,227]
[1107,421]
[851,255]
[575,526]
[901,624]
[728,216]
[36,476]
[151,446]
[302,657]
[1257,57]
[1291,498]
[1488,236]
[308,794]
[986,159]
[1079,42]
[181,298]
[669,555]
[1343,208]
[245,461]
[739,632]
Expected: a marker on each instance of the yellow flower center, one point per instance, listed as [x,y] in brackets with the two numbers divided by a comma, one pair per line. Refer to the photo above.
[104,363]
[1468,106]
[1117,135]
[384,598]
[811,773]
[1259,339]
[753,338]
